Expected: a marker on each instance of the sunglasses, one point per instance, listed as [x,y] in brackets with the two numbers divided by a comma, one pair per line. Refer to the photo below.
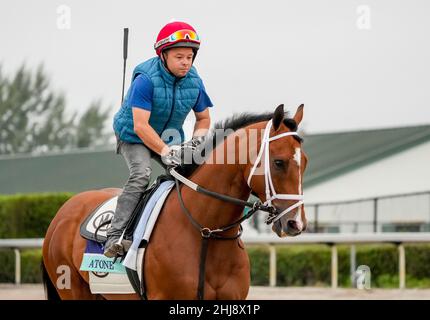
[179,35]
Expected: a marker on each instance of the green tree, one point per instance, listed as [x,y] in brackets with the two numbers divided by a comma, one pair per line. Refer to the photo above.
[33,117]
[89,131]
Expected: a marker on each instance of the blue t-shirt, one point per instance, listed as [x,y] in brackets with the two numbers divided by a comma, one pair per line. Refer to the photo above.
[142,90]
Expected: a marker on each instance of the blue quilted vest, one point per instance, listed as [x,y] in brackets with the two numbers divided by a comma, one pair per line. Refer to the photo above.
[173,99]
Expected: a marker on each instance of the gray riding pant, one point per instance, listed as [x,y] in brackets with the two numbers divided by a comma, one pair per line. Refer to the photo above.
[138,159]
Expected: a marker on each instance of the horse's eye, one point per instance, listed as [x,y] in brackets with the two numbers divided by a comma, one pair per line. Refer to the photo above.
[279,163]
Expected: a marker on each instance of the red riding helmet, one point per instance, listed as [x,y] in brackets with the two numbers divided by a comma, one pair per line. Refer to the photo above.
[177,34]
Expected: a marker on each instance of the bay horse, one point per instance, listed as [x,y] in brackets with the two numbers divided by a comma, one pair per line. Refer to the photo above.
[172,258]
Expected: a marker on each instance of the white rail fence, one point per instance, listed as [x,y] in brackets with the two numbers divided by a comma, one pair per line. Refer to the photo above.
[332,240]
[17,245]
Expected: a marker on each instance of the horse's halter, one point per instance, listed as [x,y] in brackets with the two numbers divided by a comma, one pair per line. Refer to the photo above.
[270,189]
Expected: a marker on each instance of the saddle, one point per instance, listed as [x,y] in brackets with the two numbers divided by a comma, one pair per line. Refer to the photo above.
[95,226]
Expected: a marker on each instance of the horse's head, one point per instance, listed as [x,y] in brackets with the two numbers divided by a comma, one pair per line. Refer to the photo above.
[278,180]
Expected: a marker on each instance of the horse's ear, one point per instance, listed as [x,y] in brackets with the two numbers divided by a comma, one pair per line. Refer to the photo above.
[299,114]
[278,117]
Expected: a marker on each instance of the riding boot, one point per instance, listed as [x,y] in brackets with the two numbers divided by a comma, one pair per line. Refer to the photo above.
[125,207]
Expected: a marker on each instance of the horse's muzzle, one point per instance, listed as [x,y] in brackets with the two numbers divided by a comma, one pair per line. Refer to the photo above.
[292,228]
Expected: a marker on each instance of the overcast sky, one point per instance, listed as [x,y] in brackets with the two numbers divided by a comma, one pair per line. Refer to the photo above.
[354,64]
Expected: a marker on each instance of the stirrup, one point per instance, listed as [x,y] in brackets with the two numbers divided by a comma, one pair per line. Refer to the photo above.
[121,257]
[114,250]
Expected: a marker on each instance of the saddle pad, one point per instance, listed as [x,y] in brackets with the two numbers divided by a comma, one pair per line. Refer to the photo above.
[146,224]
[94,260]
[105,276]
[103,213]
[114,283]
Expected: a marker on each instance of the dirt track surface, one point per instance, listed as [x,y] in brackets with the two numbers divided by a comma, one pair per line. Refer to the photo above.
[35,292]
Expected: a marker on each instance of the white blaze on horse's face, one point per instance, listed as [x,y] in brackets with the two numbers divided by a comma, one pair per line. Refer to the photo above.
[298,159]
[298,156]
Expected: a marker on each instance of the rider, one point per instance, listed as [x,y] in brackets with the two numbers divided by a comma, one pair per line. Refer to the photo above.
[163,91]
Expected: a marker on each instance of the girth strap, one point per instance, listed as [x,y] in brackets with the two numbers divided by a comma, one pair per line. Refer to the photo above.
[202,268]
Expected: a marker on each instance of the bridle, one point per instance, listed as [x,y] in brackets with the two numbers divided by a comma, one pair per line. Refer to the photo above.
[270,189]
[267,206]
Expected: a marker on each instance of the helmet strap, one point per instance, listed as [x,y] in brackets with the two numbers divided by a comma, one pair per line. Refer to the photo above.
[164,59]
[195,53]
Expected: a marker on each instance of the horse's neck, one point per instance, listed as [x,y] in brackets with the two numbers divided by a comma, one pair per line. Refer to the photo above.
[223,179]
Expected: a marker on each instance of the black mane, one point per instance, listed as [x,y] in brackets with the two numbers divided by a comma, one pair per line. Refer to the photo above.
[235,123]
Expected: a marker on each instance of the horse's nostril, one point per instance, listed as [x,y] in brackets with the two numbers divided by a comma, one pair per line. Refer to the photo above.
[292,224]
